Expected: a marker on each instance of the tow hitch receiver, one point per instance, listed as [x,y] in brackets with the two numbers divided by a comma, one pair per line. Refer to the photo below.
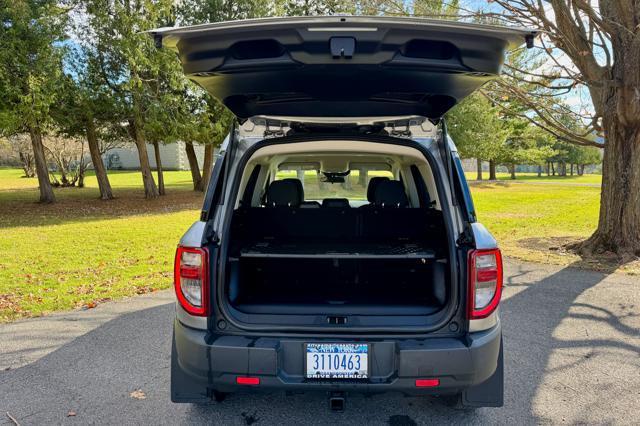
[336,401]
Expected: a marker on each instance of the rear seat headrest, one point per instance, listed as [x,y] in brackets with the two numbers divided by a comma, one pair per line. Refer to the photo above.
[341,203]
[373,184]
[391,193]
[285,193]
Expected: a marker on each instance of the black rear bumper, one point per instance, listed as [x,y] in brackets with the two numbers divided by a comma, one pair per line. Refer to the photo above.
[199,368]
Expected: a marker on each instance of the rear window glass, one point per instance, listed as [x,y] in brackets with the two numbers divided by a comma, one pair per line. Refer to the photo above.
[316,187]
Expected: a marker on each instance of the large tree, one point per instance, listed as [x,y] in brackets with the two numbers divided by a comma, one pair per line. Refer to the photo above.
[526,144]
[217,119]
[87,110]
[146,81]
[31,32]
[592,49]
[206,121]
[478,130]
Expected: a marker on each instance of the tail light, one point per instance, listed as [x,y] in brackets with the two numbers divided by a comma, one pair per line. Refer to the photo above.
[485,282]
[191,279]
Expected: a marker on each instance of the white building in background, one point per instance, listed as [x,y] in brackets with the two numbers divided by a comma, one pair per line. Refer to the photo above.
[173,156]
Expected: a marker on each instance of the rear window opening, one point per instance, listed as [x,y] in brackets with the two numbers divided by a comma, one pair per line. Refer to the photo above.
[324,187]
[317,234]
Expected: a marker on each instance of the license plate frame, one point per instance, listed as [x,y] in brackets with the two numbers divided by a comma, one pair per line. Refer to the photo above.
[357,349]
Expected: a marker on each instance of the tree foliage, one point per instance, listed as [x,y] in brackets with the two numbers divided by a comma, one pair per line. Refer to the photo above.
[31,49]
[477,128]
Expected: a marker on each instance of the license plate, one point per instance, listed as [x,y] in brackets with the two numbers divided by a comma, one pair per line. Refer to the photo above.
[337,360]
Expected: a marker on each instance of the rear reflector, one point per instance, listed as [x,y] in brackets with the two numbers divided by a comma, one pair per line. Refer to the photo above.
[251,381]
[427,383]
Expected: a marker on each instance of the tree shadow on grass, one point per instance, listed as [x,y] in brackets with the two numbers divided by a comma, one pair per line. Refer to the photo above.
[84,207]
[95,373]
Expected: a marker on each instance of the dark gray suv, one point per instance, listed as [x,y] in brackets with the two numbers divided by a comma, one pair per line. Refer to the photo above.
[338,248]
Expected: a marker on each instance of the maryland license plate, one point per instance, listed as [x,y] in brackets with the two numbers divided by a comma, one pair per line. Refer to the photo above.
[337,360]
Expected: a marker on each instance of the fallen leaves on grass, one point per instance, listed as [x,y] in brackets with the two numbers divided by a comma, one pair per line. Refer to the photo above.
[138,394]
[144,290]
[7,302]
[91,303]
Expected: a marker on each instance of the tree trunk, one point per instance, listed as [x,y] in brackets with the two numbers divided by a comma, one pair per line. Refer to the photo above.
[98,165]
[571,169]
[479,169]
[492,170]
[363,177]
[553,169]
[347,183]
[619,222]
[27,164]
[548,168]
[207,166]
[300,176]
[321,184]
[539,171]
[46,191]
[156,151]
[150,188]
[196,177]
[512,170]
[580,169]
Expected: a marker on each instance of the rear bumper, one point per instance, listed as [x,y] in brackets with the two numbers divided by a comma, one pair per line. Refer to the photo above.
[200,367]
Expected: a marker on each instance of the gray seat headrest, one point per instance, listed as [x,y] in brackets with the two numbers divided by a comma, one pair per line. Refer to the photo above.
[373,184]
[391,194]
[285,193]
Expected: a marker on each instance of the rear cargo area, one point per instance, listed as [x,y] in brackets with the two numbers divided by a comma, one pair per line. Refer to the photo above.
[337,261]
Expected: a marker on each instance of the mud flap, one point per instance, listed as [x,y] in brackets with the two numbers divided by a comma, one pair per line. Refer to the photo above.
[183,387]
[489,393]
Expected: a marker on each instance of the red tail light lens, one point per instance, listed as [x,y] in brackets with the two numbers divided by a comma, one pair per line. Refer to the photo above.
[191,279]
[485,282]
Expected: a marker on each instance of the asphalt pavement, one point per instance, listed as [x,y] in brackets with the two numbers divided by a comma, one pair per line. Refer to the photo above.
[572,355]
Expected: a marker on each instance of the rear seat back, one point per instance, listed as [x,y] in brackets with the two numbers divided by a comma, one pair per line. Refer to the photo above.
[293,224]
[336,224]
[289,218]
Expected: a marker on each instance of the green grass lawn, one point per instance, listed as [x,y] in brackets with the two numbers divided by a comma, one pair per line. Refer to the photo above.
[528,220]
[533,177]
[82,251]
[14,187]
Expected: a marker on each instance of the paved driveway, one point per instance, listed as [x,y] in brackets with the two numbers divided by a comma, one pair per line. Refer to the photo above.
[572,353]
